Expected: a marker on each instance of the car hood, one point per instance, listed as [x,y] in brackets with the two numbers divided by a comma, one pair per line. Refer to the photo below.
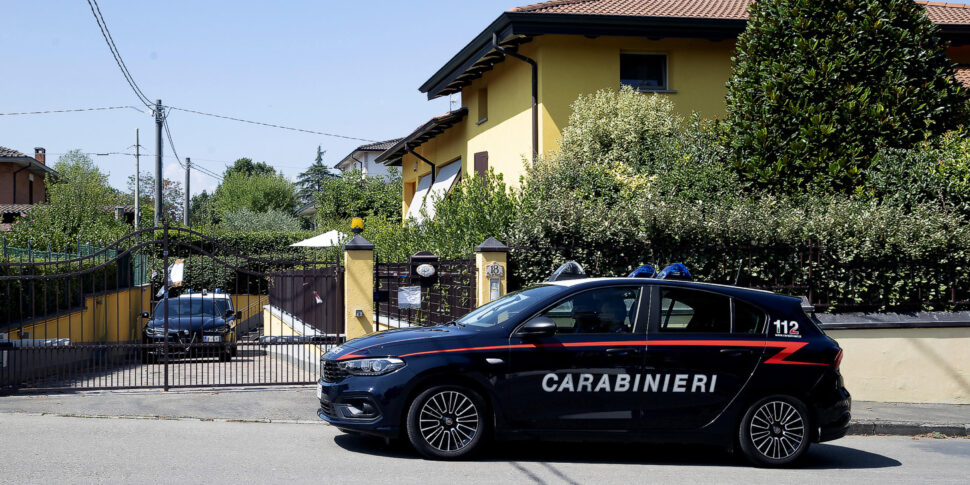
[390,342]
[194,323]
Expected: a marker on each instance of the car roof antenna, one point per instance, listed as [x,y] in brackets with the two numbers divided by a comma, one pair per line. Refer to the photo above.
[737,276]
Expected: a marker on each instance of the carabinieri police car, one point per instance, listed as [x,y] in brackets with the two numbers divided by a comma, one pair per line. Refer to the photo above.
[628,359]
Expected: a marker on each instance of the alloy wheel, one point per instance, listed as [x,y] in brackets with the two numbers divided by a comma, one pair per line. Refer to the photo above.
[777,430]
[449,421]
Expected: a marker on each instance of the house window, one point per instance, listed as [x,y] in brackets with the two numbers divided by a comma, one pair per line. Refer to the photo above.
[644,72]
[30,188]
[482,106]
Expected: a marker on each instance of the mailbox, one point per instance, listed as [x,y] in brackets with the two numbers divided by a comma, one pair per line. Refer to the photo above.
[423,268]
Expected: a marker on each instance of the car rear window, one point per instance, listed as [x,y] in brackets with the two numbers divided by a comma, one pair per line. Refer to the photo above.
[685,310]
[747,318]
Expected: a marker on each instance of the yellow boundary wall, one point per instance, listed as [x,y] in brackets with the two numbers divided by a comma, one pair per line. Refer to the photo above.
[914,365]
[105,317]
[113,317]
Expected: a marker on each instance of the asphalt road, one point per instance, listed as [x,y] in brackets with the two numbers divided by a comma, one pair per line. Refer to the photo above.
[51,449]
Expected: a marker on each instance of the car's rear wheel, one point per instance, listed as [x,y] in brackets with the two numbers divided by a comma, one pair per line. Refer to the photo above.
[447,422]
[775,431]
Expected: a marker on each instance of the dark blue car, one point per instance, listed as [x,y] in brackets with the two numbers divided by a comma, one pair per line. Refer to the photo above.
[626,359]
[198,325]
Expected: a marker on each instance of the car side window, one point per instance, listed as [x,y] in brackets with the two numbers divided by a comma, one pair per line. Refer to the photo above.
[747,318]
[603,310]
[685,310]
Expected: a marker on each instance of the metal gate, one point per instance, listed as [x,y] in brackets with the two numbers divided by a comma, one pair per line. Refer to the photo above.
[167,308]
[447,295]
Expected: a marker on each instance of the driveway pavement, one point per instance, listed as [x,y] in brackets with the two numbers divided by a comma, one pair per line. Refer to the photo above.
[57,449]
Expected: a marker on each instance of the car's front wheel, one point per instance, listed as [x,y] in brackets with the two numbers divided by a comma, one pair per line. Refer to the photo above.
[447,422]
[775,431]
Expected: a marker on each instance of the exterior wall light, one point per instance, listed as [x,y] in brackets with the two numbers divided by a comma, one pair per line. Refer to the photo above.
[357,225]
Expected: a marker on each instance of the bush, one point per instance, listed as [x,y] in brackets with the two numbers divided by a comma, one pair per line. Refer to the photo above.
[820,86]
[936,175]
[273,220]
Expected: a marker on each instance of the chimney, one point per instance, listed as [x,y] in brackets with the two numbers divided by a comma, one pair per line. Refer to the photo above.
[40,154]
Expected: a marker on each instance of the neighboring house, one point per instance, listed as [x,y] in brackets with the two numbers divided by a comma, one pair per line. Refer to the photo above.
[518,77]
[362,158]
[22,183]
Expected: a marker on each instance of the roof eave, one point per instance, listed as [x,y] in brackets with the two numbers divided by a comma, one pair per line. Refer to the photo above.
[530,24]
[33,164]
[393,155]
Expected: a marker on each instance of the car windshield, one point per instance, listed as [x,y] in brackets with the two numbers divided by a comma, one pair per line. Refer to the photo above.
[508,306]
[193,307]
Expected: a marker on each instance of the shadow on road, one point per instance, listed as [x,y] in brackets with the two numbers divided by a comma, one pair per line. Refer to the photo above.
[820,456]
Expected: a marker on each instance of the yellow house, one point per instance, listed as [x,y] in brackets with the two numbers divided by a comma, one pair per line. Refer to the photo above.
[518,77]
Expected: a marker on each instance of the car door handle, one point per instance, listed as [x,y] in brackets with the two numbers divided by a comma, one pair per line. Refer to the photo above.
[736,352]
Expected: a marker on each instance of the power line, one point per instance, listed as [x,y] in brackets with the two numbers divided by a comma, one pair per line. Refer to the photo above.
[96,11]
[271,125]
[74,110]
[202,170]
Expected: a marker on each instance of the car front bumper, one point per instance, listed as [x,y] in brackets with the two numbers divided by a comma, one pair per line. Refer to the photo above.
[363,405]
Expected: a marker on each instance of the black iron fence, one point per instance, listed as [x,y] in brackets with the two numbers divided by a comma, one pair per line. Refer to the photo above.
[403,298]
[314,296]
[189,313]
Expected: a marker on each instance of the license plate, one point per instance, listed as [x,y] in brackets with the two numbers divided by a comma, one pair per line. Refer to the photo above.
[319,392]
[212,338]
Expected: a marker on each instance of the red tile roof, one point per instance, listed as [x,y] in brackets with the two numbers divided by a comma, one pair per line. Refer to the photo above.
[962,75]
[939,12]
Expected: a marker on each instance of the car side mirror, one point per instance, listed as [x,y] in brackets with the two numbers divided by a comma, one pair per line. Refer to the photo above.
[239,315]
[541,326]
[144,314]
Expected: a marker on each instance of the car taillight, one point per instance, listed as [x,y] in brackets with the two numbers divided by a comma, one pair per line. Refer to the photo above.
[838,360]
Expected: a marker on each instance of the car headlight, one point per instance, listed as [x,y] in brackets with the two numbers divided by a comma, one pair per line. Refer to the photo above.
[371,367]
[222,328]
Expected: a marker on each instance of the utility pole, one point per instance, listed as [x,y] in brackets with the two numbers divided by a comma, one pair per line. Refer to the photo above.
[137,180]
[185,203]
[159,118]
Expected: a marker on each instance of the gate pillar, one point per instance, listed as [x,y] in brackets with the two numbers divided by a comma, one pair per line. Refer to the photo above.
[358,287]
[491,260]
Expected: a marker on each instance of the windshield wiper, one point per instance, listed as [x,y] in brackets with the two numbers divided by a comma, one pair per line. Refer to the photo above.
[453,322]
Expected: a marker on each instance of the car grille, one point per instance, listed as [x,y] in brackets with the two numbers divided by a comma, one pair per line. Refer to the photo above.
[326,407]
[332,372]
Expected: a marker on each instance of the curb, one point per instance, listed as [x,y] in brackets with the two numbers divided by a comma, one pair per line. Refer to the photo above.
[906,428]
[154,417]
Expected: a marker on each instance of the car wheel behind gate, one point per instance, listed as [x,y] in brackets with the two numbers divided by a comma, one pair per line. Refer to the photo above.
[447,422]
[148,358]
[775,431]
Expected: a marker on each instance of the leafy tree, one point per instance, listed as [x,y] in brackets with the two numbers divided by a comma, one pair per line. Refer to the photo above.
[258,193]
[202,210]
[79,207]
[172,197]
[351,195]
[311,181]
[246,167]
[821,85]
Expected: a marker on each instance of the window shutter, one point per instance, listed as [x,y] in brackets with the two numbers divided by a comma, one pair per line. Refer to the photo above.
[481,163]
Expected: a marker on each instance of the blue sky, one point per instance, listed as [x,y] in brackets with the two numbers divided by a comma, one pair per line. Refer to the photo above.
[350,68]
